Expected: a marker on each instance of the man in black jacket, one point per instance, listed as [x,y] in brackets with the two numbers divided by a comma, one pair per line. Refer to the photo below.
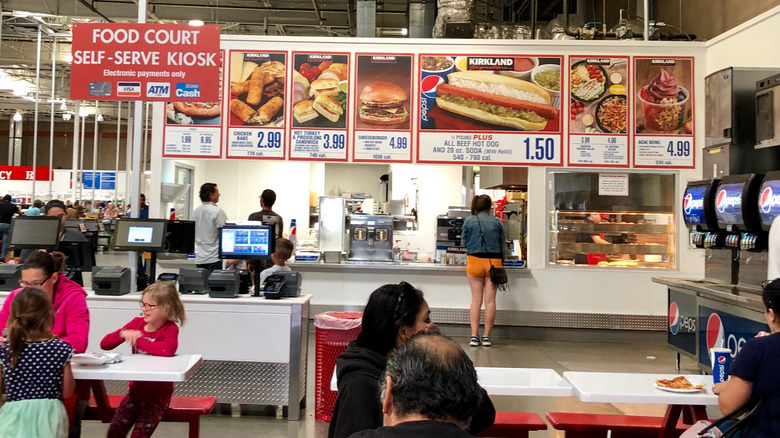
[430,390]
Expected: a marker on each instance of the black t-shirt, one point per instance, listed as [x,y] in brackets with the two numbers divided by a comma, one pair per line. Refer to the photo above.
[757,363]
[415,429]
[269,216]
[7,211]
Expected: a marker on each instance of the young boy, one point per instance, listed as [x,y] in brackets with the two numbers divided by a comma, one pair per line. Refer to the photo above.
[284,249]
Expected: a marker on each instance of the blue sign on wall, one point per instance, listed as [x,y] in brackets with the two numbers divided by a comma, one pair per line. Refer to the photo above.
[717,328]
[98,180]
[107,180]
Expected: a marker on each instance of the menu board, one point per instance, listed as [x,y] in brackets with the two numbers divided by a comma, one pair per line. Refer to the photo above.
[599,111]
[319,106]
[381,111]
[194,129]
[482,109]
[257,101]
[663,112]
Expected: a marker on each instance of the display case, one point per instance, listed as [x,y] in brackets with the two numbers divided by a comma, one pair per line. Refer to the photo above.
[634,239]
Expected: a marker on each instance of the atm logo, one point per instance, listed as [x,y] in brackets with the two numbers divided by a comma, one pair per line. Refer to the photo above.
[716,336]
[689,203]
[723,200]
[158,89]
[768,200]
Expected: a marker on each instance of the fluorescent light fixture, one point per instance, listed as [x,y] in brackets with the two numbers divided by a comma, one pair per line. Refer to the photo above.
[404,31]
[100,117]
[196,23]
[69,59]
[20,91]
[22,14]
[66,116]
[63,107]
[147,172]
[84,112]
[17,117]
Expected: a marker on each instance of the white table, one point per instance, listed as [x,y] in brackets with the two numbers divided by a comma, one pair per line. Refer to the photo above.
[514,381]
[638,388]
[137,367]
[142,367]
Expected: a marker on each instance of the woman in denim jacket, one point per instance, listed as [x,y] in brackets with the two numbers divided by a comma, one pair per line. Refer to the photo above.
[483,236]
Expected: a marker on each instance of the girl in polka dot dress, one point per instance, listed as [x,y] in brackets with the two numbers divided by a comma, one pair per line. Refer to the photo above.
[34,371]
[154,333]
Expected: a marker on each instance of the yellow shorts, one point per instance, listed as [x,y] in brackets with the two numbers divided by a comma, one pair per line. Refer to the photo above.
[478,267]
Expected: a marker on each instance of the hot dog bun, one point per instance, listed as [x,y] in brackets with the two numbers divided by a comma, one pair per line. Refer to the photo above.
[496,99]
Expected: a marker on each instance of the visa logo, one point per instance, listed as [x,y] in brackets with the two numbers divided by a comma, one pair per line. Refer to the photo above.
[158,89]
[187,90]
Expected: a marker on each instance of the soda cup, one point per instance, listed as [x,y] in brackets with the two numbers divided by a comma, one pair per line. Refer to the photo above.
[721,359]
[433,72]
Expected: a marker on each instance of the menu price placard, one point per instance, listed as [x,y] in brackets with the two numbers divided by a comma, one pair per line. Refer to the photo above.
[192,141]
[664,112]
[530,149]
[383,123]
[500,109]
[663,151]
[257,101]
[599,111]
[320,107]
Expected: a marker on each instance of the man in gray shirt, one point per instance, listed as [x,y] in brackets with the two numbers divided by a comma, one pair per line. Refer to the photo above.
[208,218]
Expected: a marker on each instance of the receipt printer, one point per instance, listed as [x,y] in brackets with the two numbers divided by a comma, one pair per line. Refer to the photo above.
[224,284]
[282,285]
[10,276]
[110,280]
[193,281]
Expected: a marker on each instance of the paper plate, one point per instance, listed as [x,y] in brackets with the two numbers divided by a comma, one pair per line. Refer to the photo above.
[663,388]
[88,359]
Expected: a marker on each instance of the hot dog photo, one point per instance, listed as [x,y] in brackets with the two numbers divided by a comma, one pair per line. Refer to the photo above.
[257,89]
[490,93]
[383,90]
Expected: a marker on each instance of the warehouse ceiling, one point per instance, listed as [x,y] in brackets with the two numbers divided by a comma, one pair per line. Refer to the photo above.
[23,19]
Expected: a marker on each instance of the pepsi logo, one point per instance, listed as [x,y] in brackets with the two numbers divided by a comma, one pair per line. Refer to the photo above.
[715,334]
[723,200]
[721,359]
[768,200]
[674,318]
[689,203]
[429,84]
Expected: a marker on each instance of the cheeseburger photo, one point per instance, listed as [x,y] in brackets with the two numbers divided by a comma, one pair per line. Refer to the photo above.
[383,104]
[496,99]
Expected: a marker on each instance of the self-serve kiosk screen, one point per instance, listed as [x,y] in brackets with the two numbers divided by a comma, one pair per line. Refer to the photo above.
[135,234]
[253,242]
[769,199]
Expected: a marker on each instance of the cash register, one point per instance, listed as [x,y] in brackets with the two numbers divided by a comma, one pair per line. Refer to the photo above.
[28,232]
[111,280]
[282,285]
[251,242]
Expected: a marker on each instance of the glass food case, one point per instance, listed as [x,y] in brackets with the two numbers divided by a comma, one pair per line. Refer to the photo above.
[591,224]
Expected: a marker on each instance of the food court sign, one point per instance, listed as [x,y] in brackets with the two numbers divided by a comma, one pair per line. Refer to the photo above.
[132,61]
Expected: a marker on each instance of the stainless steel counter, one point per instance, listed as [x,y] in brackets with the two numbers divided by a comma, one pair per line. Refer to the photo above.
[740,296]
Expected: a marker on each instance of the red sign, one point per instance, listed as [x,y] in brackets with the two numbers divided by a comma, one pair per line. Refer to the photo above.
[132,61]
[23,173]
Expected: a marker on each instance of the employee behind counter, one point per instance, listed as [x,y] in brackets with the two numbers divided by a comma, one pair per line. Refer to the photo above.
[584,259]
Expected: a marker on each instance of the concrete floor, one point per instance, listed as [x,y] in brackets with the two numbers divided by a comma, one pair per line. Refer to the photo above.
[651,356]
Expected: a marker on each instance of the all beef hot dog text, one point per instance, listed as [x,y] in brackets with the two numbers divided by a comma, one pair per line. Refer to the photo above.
[126,38]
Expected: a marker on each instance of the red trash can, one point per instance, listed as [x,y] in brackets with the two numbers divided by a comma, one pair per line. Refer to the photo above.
[332,332]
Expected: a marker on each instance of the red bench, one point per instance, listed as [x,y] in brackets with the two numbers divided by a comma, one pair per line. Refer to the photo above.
[514,425]
[596,425]
[181,410]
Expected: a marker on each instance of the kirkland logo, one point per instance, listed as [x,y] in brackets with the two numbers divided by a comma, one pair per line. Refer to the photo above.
[187,90]
[158,89]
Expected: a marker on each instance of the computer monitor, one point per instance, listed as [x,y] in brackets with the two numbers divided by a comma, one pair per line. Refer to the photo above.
[250,242]
[73,224]
[180,237]
[135,234]
[36,232]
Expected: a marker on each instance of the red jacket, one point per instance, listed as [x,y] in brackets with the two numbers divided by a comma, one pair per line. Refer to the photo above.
[71,315]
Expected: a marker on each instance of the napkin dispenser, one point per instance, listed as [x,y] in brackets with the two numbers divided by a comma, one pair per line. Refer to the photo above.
[224,284]
[110,280]
[291,285]
[193,280]
[10,274]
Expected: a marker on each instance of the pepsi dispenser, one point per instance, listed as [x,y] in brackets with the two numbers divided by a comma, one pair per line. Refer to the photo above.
[699,214]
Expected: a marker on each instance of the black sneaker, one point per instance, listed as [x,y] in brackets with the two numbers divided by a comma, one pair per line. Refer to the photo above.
[474,341]
[486,341]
